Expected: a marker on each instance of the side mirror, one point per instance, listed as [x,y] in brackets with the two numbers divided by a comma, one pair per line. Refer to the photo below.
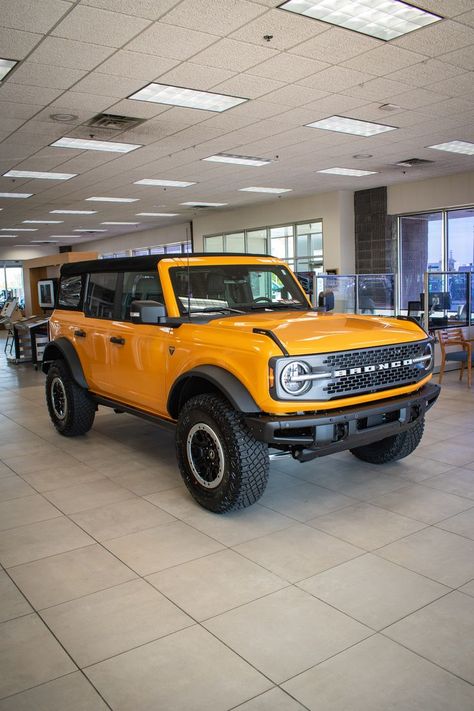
[151,312]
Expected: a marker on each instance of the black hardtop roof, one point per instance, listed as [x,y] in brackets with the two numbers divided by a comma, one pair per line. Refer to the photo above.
[148,262]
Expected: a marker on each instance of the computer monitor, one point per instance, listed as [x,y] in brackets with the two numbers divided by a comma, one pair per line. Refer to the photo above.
[439,300]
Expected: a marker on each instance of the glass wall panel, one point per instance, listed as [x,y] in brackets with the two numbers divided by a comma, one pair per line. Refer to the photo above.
[257,241]
[235,242]
[421,245]
[214,244]
[460,226]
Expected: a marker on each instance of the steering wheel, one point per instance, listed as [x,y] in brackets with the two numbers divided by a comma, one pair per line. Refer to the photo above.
[262,298]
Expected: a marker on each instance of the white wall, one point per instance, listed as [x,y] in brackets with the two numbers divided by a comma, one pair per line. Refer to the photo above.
[135,240]
[22,253]
[336,209]
[420,196]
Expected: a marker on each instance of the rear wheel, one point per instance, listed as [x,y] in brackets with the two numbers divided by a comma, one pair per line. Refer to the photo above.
[392,448]
[224,467]
[71,409]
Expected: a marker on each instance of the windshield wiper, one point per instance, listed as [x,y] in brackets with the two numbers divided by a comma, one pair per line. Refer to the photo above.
[279,305]
[217,309]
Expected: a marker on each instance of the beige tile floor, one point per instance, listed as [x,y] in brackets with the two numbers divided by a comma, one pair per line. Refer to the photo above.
[348,586]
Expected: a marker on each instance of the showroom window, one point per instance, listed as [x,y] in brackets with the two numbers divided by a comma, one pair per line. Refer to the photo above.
[11,283]
[433,241]
[300,244]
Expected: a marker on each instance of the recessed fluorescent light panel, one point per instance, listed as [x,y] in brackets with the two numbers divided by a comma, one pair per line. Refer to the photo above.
[6,65]
[237,160]
[342,124]
[42,222]
[111,199]
[9,236]
[16,195]
[204,204]
[73,212]
[347,171]
[384,19]
[19,229]
[188,98]
[88,229]
[38,175]
[455,147]
[119,223]
[164,183]
[157,214]
[80,144]
[276,191]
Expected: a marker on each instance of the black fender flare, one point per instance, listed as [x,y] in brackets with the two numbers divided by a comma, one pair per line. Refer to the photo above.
[221,380]
[63,349]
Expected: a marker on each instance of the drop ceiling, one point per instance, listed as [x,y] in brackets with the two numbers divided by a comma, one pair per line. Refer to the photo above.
[86,57]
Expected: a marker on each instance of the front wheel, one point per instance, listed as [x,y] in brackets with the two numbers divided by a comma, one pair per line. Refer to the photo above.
[71,409]
[224,467]
[392,448]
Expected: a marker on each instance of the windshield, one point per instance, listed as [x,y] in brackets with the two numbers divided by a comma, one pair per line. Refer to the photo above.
[235,288]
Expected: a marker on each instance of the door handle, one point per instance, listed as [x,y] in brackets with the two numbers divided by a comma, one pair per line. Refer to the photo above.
[80,334]
[116,339]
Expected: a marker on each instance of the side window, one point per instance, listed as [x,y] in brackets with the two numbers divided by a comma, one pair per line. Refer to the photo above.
[70,290]
[100,298]
[139,286]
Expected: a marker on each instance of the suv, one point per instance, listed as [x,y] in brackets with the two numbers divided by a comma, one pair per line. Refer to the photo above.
[228,349]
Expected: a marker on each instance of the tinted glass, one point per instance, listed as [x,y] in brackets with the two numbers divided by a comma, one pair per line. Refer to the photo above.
[70,292]
[240,287]
[139,286]
[101,295]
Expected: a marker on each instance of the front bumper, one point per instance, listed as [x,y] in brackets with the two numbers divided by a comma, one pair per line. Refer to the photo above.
[310,436]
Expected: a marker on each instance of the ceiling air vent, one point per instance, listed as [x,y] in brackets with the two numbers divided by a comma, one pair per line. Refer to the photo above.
[413,162]
[114,122]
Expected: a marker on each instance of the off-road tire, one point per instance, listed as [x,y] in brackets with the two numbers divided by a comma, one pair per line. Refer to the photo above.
[392,448]
[79,410]
[245,467]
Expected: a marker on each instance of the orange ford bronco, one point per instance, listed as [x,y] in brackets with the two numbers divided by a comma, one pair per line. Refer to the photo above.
[228,350]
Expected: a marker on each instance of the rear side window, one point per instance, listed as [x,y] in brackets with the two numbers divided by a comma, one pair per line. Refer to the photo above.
[100,297]
[139,286]
[70,291]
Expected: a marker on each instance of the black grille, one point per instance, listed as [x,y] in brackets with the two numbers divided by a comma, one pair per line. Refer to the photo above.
[360,383]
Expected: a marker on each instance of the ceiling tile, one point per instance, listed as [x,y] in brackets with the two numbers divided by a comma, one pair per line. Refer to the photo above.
[46,75]
[462,57]
[135,65]
[16,44]
[295,95]
[195,76]
[336,45]
[150,9]
[383,60]
[248,86]
[33,16]
[67,53]
[169,41]
[334,104]
[377,89]
[417,97]
[78,101]
[223,16]
[23,94]
[89,24]
[107,85]
[445,8]
[467,18]
[236,56]
[335,79]
[17,111]
[437,39]
[425,73]
[461,85]
[448,107]
[138,109]
[289,68]
[286,28]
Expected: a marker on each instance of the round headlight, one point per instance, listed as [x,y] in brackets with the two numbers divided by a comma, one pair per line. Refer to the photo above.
[428,356]
[292,378]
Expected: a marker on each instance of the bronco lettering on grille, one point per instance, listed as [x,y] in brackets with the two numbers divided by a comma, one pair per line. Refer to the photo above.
[372,368]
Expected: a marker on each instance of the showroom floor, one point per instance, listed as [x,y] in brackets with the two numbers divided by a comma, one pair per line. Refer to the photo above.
[348,587]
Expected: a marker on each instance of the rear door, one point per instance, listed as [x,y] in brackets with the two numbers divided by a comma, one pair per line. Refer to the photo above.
[138,353]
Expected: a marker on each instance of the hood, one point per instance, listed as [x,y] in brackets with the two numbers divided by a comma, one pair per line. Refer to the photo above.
[302,333]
